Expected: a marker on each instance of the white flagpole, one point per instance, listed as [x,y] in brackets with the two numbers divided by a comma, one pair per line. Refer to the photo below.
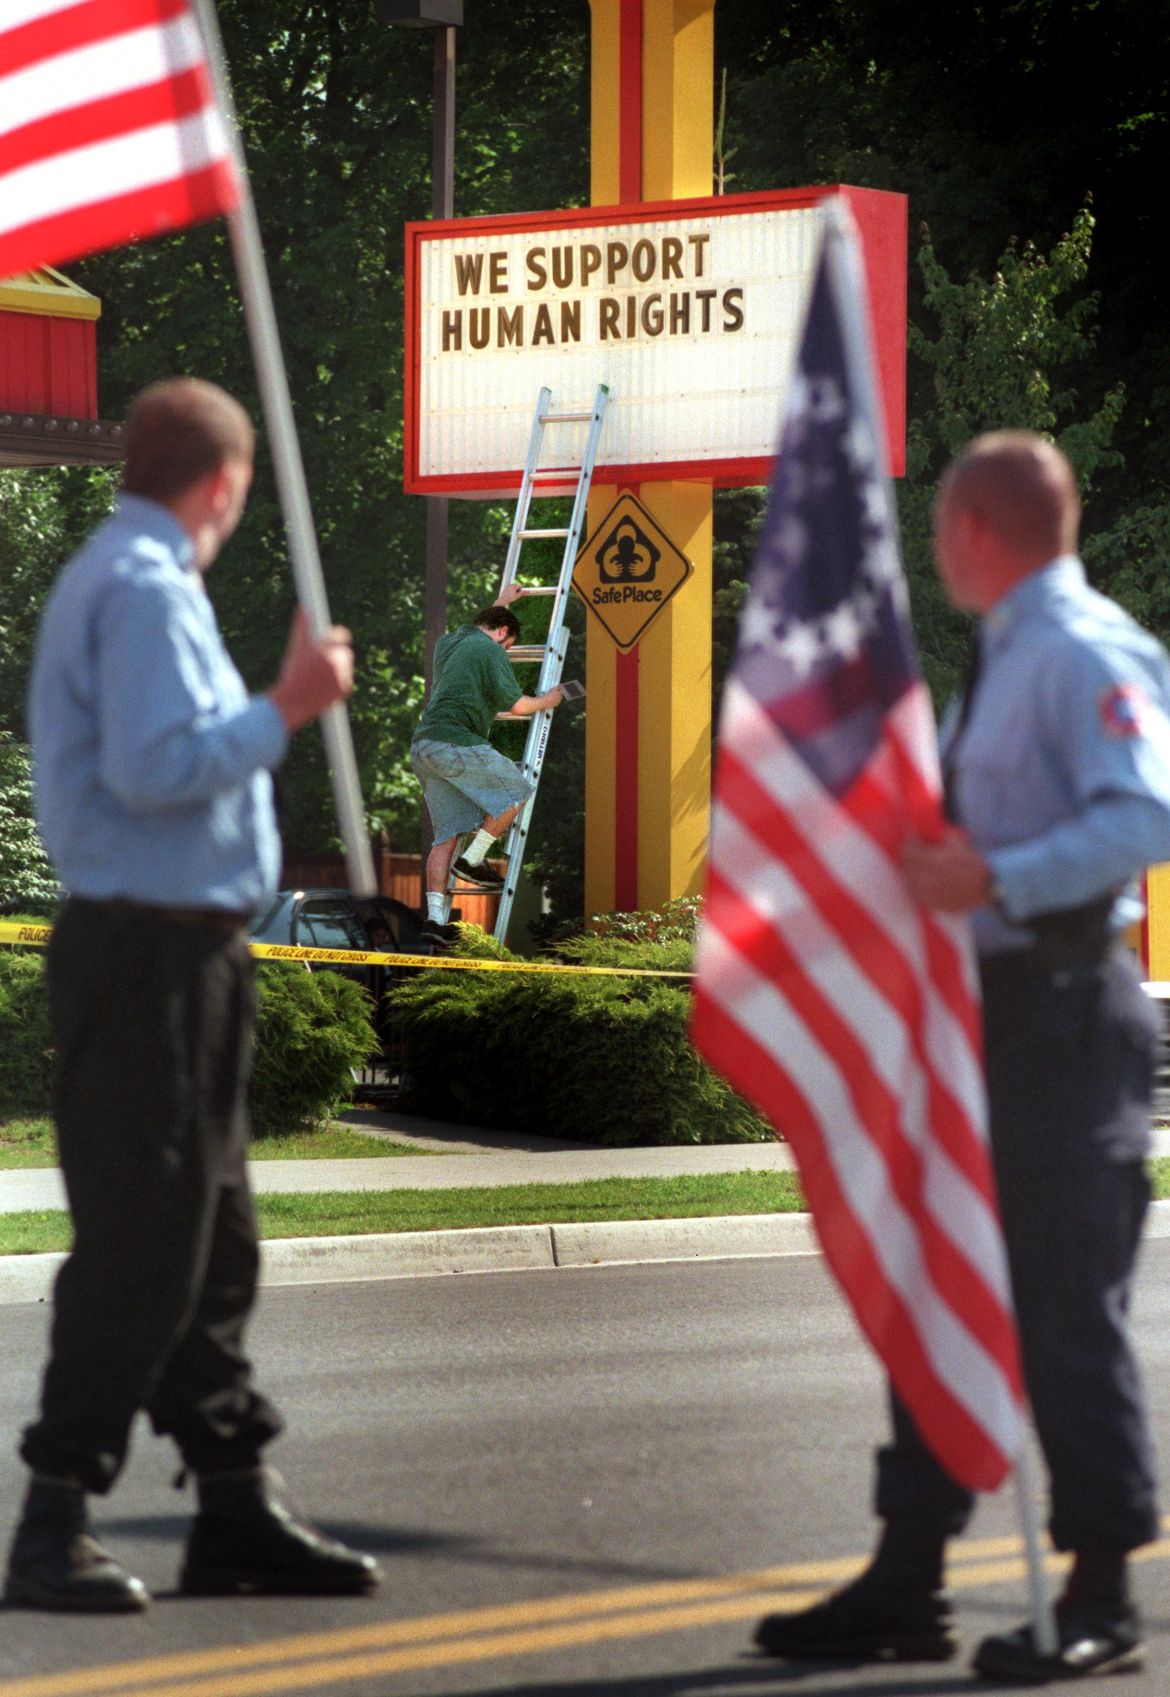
[260,316]
[848,281]
[1043,1618]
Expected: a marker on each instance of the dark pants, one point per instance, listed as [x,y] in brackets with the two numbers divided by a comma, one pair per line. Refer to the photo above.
[1070,1067]
[152,1021]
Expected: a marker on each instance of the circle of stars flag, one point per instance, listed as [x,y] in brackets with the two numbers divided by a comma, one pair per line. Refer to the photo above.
[844,1012]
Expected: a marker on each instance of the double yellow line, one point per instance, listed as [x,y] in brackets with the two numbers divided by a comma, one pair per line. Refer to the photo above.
[314,1661]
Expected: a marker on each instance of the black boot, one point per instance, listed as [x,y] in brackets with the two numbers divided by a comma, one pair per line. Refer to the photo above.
[896,1611]
[57,1563]
[245,1540]
[1098,1630]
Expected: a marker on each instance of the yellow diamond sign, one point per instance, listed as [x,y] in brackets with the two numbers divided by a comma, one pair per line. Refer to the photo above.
[628,570]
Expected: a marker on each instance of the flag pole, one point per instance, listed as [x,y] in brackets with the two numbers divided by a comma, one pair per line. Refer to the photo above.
[1043,1617]
[848,281]
[264,336]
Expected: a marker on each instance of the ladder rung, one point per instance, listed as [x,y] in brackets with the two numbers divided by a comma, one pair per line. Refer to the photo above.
[519,655]
[564,417]
[535,535]
[540,589]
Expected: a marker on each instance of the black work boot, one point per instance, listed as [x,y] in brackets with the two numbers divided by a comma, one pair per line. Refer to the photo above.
[57,1563]
[245,1540]
[1098,1629]
[896,1611]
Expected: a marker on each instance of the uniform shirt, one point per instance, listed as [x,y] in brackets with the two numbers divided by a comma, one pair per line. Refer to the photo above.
[1062,772]
[150,760]
[473,682]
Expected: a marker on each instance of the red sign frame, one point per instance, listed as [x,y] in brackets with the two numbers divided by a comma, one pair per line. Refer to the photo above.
[881,219]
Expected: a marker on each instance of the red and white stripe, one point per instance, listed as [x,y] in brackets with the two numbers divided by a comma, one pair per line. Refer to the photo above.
[109,129]
[849,1017]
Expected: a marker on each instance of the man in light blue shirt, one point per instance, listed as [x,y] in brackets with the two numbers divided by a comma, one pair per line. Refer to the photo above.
[1058,773]
[153,793]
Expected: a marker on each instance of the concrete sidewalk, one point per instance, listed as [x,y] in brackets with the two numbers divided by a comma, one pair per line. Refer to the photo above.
[459,1157]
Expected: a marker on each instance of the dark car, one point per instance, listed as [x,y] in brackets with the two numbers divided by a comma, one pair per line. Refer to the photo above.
[336,919]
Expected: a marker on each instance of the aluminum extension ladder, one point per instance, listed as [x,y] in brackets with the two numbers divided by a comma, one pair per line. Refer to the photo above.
[551,653]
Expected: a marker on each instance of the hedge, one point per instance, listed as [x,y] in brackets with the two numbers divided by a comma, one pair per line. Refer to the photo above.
[599,1060]
[311,1030]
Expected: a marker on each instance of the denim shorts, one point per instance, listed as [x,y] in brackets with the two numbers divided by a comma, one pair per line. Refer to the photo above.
[465,786]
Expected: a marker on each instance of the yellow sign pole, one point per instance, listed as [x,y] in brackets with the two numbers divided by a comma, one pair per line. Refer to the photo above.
[648,729]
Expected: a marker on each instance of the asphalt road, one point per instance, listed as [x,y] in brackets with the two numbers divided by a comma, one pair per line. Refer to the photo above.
[574,1480]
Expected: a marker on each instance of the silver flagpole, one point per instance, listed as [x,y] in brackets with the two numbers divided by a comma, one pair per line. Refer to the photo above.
[848,281]
[260,316]
[1043,1618]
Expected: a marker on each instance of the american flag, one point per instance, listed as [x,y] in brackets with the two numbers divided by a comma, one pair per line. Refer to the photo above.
[845,1013]
[109,129]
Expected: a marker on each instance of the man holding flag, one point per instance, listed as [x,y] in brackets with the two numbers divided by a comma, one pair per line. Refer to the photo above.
[835,991]
[155,802]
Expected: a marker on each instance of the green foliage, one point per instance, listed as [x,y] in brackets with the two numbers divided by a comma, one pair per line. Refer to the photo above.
[26,1055]
[25,874]
[603,1060]
[43,516]
[312,1029]
[1004,354]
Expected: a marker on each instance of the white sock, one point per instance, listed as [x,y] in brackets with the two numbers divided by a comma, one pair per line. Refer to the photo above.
[438,906]
[478,846]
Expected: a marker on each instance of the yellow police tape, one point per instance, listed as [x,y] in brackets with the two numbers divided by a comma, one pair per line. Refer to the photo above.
[36,936]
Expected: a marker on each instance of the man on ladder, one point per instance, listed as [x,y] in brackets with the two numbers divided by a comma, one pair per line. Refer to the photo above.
[468,784]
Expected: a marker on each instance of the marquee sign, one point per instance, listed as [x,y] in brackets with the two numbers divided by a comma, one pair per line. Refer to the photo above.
[689,310]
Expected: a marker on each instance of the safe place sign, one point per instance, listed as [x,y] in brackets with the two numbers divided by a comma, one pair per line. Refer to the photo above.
[689,311]
[628,570]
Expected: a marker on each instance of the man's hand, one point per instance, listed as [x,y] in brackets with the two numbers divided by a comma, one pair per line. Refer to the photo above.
[313,675]
[950,875]
[506,596]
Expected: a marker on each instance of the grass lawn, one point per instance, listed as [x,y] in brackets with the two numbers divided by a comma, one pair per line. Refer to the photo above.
[29,1143]
[343,1214]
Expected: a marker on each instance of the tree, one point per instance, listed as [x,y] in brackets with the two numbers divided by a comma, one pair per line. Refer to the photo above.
[1005,353]
[26,878]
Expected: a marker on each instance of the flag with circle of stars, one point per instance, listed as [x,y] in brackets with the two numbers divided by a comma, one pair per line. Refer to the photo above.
[824,993]
[824,642]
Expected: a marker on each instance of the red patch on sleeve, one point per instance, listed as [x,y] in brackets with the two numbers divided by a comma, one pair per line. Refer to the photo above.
[1123,709]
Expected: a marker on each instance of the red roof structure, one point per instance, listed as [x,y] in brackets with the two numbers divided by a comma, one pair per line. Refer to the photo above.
[48,374]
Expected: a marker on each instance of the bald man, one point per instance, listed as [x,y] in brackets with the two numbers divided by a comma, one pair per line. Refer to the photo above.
[1057,769]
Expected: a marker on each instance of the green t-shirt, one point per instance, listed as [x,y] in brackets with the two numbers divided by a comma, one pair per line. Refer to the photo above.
[473,681]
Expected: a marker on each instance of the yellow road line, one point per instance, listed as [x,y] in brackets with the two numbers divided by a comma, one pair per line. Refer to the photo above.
[467,1636]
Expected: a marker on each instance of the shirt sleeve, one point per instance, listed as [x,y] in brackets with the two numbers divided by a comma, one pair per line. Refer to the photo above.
[176,723]
[1105,717]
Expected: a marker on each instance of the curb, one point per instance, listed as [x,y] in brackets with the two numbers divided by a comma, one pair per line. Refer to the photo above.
[502,1249]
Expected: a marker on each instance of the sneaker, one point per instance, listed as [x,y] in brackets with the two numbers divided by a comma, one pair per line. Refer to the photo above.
[1094,1638]
[435,937]
[867,1621]
[481,876]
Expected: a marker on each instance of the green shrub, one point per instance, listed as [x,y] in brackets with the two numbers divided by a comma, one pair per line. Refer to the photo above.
[602,1060]
[26,1054]
[312,1029]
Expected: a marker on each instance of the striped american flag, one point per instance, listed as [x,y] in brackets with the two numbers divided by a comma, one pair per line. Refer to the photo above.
[109,130]
[845,1013]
